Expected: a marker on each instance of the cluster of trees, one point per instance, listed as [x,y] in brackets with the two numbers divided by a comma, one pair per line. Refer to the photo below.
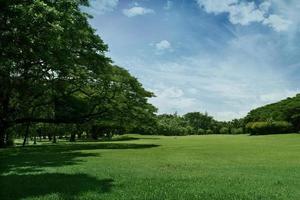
[280,117]
[269,127]
[54,73]
[194,123]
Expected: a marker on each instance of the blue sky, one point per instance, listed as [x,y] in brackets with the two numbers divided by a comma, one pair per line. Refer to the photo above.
[224,57]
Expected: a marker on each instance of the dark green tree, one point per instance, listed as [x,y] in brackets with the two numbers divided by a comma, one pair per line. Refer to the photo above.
[198,120]
[53,69]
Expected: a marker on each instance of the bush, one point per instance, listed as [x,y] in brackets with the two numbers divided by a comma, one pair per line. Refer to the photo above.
[190,131]
[208,132]
[224,130]
[200,131]
[237,131]
[264,128]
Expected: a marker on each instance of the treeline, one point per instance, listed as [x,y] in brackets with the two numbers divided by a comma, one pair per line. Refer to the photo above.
[55,78]
[194,123]
[276,118]
[269,127]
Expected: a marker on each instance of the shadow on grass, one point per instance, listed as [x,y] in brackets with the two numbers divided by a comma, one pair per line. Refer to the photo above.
[114,139]
[118,139]
[63,186]
[34,158]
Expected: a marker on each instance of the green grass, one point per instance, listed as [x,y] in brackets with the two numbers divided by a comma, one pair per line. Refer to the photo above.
[210,167]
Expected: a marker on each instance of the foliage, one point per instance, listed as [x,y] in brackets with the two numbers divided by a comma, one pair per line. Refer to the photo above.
[285,110]
[54,70]
[172,125]
[194,123]
[271,127]
[198,120]
[224,130]
[237,131]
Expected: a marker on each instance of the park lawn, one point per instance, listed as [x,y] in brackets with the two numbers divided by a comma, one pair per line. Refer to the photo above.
[212,167]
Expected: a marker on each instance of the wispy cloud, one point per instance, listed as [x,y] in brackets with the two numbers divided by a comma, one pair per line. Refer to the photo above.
[228,84]
[103,6]
[172,99]
[245,12]
[163,45]
[277,23]
[137,11]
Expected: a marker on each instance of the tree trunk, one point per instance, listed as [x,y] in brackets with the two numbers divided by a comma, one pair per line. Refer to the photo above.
[109,135]
[73,137]
[94,134]
[34,139]
[54,139]
[2,136]
[26,135]
[39,132]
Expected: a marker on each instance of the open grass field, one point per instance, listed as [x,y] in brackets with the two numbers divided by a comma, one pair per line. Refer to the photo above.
[212,167]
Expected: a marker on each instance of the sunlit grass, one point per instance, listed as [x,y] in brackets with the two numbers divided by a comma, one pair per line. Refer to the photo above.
[156,167]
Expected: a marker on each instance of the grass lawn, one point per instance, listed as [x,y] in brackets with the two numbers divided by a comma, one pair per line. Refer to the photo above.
[210,167]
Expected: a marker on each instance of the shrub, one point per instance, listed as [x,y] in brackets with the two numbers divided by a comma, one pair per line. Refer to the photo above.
[264,128]
[190,131]
[209,132]
[237,131]
[200,131]
[224,130]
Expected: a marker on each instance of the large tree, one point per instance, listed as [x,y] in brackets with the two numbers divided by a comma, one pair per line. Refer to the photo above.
[53,68]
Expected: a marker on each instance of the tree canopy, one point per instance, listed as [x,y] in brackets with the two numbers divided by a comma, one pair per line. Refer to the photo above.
[54,69]
[285,110]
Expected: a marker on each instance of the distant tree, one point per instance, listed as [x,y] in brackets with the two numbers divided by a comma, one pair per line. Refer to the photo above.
[264,128]
[172,125]
[198,120]
[285,110]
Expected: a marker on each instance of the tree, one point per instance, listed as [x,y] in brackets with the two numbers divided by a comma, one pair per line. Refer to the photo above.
[48,51]
[54,68]
[199,121]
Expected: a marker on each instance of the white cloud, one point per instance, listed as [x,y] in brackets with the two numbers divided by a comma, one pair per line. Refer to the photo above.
[216,6]
[226,115]
[277,23]
[136,11]
[244,12]
[265,6]
[163,45]
[290,11]
[103,6]
[172,99]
